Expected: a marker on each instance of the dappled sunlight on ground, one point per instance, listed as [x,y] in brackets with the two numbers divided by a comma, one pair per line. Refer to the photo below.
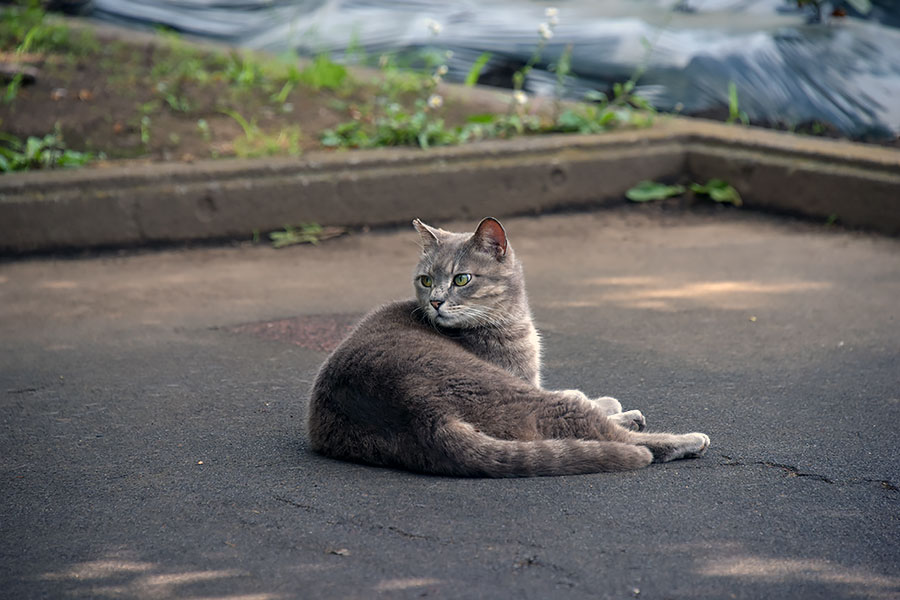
[407,583]
[117,578]
[657,293]
[100,569]
[857,581]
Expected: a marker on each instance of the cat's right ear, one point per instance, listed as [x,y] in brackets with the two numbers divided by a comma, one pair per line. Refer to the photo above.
[430,236]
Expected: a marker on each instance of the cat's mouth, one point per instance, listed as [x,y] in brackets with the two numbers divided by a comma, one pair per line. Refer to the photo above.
[443,319]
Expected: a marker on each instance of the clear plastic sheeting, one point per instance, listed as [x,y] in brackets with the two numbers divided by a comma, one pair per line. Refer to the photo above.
[787,70]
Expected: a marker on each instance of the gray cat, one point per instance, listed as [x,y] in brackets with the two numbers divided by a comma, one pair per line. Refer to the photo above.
[449,383]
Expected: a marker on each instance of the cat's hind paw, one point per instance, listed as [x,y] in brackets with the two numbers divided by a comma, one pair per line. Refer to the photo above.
[607,404]
[633,420]
[699,446]
[689,445]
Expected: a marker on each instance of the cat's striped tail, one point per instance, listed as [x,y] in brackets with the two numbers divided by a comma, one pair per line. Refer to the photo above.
[463,450]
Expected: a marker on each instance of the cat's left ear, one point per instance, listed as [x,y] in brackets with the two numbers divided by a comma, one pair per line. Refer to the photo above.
[491,237]
[430,236]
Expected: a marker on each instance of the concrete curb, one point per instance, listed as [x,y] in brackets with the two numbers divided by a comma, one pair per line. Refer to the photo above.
[134,205]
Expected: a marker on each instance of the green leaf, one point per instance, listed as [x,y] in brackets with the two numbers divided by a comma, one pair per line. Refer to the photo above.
[331,139]
[33,148]
[70,158]
[719,191]
[595,96]
[477,68]
[646,191]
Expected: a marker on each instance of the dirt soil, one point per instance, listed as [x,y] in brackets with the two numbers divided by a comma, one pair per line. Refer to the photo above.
[158,98]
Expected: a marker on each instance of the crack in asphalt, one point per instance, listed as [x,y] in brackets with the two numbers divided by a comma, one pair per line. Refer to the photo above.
[332,519]
[25,390]
[792,471]
[565,576]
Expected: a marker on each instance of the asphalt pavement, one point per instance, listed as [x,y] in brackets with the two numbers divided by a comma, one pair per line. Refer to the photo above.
[152,406]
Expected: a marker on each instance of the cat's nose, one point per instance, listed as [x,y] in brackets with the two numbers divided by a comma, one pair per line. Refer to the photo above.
[436,304]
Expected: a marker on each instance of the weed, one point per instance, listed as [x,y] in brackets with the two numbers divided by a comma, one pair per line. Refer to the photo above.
[305,233]
[647,191]
[355,53]
[735,113]
[545,33]
[602,115]
[396,128]
[284,141]
[145,130]
[203,127]
[476,69]
[243,71]
[175,101]
[562,68]
[499,126]
[45,152]
[256,143]
[12,88]
[717,190]
[24,28]
[387,122]
[323,73]
[292,78]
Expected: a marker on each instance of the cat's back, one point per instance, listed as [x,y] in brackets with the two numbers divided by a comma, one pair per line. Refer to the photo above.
[373,389]
[388,334]
[382,358]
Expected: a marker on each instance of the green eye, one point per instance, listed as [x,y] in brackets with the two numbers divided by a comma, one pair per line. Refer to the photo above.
[426,280]
[462,279]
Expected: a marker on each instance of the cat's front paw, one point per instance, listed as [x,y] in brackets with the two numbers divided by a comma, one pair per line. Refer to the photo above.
[633,420]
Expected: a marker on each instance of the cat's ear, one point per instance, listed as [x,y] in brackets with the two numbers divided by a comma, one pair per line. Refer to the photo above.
[430,236]
[491,237]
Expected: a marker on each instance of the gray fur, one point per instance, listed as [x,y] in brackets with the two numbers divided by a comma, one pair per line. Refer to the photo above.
[449,383]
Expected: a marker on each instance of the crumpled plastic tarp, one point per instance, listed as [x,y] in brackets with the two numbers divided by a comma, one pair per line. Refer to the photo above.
[787,71]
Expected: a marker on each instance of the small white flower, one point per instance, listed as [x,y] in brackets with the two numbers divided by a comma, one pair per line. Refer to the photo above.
[433,26]
[435,101]
[441,70]
[520,97]
[545,31]
[552,15]
[448,54]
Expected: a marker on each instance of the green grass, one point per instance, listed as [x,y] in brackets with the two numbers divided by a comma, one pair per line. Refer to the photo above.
[256,143]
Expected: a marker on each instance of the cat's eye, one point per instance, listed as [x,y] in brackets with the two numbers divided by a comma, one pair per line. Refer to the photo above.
[462,279]
[426,280]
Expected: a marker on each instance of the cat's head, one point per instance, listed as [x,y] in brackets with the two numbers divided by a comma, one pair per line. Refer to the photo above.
[469,280]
